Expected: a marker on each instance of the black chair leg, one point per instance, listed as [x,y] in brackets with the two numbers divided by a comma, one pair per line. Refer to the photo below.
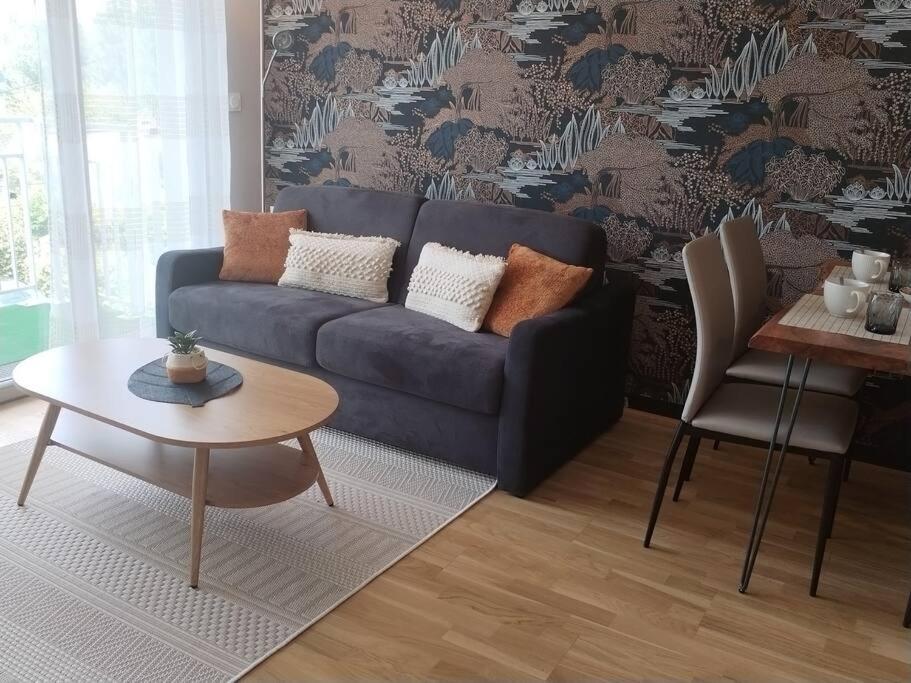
[906,622]
[715,445]
[847,469]
[662,481]
[836,464]
[686,468]
[689,466]
[835,501]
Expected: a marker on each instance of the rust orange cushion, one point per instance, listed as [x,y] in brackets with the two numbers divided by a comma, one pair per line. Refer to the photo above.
[533,285]
[256,244]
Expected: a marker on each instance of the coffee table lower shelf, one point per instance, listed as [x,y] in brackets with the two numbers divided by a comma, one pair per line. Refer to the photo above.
[92,413]
[238,477]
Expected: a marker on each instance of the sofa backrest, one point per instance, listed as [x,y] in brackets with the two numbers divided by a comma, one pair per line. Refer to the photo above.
[358,211]
[492,229]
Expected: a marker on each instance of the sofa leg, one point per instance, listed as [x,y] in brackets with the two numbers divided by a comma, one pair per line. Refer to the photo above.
[662,481]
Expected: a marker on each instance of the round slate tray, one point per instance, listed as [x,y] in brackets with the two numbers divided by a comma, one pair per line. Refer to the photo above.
[151,383]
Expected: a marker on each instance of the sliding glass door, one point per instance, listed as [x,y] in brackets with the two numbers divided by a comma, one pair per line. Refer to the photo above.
[114,143]
[25,317]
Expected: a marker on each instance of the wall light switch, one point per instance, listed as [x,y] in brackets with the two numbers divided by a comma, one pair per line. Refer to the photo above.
[234,101]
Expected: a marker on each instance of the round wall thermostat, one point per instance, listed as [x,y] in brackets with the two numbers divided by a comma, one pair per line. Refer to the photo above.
[282,40]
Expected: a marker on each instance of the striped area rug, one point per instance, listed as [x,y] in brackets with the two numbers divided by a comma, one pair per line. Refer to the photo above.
[93,569]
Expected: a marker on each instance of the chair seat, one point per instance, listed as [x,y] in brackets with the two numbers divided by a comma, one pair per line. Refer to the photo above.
[824,423]
[275,322]
[766,367]
[404,350]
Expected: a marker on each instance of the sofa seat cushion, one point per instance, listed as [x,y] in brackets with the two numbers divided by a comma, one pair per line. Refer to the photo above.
[276,322]
[412,352]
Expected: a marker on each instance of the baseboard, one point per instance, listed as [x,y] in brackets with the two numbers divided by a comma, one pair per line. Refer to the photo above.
[653,405]
[9,392]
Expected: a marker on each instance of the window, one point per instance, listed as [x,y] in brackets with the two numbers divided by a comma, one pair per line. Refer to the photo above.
[113,149]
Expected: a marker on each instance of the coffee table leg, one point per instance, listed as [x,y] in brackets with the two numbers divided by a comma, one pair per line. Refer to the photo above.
[44,437]
[309,451]
[197,515]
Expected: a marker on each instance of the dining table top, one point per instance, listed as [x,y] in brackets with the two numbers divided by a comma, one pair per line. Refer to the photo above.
[830,347]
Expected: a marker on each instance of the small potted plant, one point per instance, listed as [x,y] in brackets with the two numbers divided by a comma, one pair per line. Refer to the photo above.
[186,364]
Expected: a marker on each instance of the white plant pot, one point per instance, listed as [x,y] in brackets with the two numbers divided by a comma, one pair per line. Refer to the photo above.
[187,368]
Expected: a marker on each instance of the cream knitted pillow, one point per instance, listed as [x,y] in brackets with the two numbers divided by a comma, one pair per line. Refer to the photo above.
[453,285]
[340,264]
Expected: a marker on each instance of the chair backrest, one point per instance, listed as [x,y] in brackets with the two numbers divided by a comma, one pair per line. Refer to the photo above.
[746,264]
[713,304]
[359,211]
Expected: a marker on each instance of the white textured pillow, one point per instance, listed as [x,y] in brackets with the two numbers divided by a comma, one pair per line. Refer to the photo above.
[340,264]
[453,285]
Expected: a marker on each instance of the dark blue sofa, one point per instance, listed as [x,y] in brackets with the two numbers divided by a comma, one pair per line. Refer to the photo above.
[515,408]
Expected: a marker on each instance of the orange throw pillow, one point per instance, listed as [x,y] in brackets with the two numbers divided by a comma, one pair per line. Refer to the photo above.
[533,285]
[256,244]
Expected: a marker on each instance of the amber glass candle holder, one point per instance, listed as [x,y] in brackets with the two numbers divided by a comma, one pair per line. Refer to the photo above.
[900,275]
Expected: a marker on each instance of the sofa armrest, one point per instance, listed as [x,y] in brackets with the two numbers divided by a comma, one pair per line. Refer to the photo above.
[564,385]
[180,268]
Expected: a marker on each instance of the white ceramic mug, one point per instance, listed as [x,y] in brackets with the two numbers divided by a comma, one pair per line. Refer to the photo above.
[870,266]
[845,297]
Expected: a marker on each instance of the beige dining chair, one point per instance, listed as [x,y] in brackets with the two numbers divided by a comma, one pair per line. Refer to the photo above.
[747,270]
[746,413]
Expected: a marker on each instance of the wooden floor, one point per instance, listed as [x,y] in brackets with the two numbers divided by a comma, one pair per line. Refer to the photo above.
[558,586]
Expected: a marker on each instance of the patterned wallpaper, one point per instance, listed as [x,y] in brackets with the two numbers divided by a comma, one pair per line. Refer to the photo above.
[655,118]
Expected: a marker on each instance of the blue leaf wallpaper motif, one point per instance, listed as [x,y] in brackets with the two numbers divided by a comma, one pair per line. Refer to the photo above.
[657,119]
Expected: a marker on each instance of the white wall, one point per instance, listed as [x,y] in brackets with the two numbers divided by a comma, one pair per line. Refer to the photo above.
[244,46]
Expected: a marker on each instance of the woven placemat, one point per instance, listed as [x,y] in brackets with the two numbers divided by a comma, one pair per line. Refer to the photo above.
[151,383]
[810,313]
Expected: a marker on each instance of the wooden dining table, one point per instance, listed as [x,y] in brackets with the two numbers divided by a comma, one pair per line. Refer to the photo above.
[809,345]
[829,347]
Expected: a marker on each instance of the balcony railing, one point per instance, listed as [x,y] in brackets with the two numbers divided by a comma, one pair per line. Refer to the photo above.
[18,273]
[24,311]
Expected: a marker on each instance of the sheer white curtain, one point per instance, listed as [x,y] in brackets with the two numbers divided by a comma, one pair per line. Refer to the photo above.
[138,161]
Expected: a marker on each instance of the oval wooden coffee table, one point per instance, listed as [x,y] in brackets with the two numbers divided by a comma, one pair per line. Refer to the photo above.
[225,453]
